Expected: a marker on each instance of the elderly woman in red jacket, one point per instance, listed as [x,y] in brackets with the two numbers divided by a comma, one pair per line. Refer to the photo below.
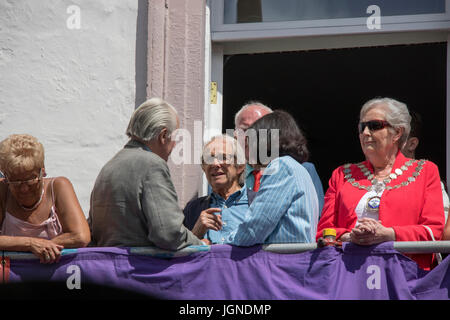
[387,197]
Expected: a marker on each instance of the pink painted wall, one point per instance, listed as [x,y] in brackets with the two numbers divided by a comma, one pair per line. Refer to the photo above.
[176,61]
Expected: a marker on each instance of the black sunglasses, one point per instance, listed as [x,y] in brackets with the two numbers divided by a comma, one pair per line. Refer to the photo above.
[373,125]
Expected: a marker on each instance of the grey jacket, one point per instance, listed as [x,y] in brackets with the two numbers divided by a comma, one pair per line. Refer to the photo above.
[134,203]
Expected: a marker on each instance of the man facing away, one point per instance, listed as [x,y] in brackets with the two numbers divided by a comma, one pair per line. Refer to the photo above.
[134,202]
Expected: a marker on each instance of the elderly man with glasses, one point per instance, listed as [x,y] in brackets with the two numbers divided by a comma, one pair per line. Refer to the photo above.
[223,163]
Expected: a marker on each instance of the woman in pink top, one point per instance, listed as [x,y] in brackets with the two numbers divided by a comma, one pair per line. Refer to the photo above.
[37,214]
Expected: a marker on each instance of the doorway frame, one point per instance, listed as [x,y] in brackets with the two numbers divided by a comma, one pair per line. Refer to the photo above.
[263,30]
[275,37]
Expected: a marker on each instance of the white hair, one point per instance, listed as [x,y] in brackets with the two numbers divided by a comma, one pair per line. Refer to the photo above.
[150,118]
[397,115]
[236,149]
[248,104]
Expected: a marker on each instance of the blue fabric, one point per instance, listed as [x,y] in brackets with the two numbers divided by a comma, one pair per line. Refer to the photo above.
[250,181]
[236,205]
[251,196]
[285,209]
[317,183]
[249,177]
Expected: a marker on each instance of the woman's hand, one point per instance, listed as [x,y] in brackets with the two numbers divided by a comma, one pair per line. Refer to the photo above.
[46,250]
[370,231]
[345,237]
[207,220]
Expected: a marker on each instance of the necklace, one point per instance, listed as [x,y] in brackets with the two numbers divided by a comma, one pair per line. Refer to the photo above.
[373,203]
[397,172]
[36,204]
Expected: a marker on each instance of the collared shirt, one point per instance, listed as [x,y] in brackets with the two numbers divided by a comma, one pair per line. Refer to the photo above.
[285,209]
[249,177]
[250,181]
[236,205]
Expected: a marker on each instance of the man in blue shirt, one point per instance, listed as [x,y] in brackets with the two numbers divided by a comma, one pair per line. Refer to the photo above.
[223,170]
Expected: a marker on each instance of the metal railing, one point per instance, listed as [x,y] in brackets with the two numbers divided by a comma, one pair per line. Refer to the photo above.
[401,246]
[409,247]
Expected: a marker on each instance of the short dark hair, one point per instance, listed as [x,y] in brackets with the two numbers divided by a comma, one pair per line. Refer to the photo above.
[292,141]
[416,125]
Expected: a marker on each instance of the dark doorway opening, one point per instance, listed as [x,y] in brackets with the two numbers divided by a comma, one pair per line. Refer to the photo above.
[325,89]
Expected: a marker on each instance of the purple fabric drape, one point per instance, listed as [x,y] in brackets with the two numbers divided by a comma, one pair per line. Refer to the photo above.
[228,272]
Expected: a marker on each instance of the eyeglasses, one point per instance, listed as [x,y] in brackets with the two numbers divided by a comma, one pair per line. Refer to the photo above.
[220,157]
[29,183]
[373,125]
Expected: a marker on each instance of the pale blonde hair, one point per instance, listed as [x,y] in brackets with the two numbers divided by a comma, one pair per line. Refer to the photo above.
[19,153]
[150,118]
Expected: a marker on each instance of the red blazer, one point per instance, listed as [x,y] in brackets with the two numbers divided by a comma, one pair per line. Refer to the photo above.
[406,209]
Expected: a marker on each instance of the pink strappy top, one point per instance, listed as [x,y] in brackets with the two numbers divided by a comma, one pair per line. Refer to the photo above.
[48,229]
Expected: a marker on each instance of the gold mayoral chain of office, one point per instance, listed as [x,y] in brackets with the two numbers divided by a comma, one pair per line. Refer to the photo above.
[397,172]
[373,203]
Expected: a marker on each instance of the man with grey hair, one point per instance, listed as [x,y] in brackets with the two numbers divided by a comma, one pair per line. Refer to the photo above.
[223,163]
[249,113]
[243,119]
[134,202]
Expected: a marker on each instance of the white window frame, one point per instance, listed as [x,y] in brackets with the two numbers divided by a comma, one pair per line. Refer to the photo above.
[263,30]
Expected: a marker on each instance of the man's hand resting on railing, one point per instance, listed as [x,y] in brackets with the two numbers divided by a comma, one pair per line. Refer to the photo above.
[368,232]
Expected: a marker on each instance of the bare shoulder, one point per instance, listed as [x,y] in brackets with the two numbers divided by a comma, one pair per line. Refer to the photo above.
[61,184]
[65,196]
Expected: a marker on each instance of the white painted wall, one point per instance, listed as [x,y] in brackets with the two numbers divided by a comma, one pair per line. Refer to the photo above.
[72,89]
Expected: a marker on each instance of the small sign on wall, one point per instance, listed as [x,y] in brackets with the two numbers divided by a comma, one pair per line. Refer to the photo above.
[213,93]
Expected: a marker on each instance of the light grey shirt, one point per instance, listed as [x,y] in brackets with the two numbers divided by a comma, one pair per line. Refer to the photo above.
[134,203]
